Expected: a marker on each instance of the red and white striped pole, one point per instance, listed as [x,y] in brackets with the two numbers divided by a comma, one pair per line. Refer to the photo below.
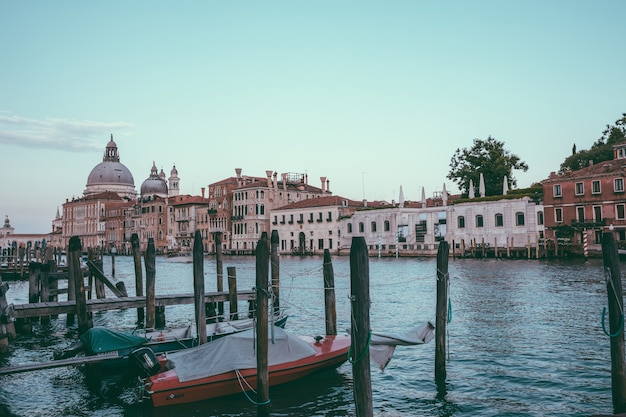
[585,247]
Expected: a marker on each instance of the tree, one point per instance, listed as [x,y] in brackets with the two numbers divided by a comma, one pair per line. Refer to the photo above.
[489,158]
[601,150]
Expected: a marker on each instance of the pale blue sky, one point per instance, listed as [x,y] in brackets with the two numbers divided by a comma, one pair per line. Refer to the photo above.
[373,95]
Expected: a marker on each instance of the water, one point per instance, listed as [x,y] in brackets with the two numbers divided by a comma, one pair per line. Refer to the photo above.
[525,340]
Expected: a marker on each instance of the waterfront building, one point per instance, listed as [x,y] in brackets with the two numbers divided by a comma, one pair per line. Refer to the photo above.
[580,205]
[252,203]
[185,214]
[153,207]
[396,229]
[311,225]
[509,222]
[108,196]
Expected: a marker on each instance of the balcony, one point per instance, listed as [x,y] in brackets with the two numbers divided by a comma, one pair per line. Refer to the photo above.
[590,224]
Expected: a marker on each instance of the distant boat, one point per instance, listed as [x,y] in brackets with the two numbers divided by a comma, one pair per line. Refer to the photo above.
[228,365]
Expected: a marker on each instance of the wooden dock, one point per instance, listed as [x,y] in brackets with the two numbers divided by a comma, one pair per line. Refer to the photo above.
[21,311]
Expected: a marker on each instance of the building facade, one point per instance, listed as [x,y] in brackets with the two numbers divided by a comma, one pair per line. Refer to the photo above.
[581,205]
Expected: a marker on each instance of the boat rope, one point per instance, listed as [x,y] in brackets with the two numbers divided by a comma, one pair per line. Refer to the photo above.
[365,350]
[240,378]
[608,275]
[617,332]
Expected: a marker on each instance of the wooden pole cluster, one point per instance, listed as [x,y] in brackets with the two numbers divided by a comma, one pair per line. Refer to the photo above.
[361,331]
[198,287]
[616,320]
[262,276]
[329,295]
[7,329]
[441,311]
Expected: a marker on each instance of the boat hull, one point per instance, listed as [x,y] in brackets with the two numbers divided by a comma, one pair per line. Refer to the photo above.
[165,389]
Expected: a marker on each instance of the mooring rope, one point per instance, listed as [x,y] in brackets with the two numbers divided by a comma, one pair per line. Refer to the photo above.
[617,332]
[365,350]
[245,392]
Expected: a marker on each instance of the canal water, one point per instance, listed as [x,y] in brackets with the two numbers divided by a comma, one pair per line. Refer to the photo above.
[525,339]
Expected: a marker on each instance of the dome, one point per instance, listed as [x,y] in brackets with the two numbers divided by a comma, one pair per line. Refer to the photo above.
[111,175]
[154,184]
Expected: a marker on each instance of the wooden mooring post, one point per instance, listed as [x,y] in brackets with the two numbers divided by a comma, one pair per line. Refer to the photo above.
[7,328]
[329,295]
[220,272]
[198,287]
[262,277]
[613,278]
[361,330]
[134,241]
[150,283]
[275,262]
[441,320]
[74,270]
[232,292]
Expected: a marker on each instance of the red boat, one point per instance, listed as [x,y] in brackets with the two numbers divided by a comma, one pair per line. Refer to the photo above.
[228,365]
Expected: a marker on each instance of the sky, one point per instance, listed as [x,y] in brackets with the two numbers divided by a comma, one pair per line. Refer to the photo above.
[373,95]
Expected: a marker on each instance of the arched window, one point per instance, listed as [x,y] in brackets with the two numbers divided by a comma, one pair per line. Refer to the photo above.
[519,218]
[373,227]
[349,227]
[499,220]
[461,222]
[361,227]
[479,220]
[386,226]
[540,217]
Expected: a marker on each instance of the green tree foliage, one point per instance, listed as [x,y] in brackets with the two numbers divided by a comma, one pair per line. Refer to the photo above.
[489,158]
[601,150]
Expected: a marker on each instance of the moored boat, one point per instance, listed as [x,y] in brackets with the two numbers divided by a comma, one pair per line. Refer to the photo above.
[228,365]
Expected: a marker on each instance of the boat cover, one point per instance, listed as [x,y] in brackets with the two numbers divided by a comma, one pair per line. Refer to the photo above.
[383,345]
[101,339]
[236,351]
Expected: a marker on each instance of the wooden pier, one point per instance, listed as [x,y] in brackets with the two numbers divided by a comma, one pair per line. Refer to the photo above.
[23,311]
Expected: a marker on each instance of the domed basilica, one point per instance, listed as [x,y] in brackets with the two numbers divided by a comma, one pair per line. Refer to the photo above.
[111,175]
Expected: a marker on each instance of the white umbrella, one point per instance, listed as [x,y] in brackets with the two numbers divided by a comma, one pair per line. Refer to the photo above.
[423,197]
[471,189]
[401,198]
[505,186]
[481,186]
[444,195]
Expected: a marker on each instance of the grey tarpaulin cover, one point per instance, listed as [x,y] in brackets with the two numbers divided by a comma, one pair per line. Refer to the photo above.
[236,351]
[383,345]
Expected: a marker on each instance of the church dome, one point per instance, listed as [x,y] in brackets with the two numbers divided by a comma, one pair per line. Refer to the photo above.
[154,184]
[111,175]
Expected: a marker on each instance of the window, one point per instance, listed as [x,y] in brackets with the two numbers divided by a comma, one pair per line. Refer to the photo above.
[361,227]
[557,190]
[461,222]
[558,215]
[595,187]
[580,214]
[619,211]
[373,227]
[320,244]
[618,185]
[479,220]
[386,226]
[499,220]
[519,219]
[580,188]
[597,213]
[540,217]
[420,231]
[349,227]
